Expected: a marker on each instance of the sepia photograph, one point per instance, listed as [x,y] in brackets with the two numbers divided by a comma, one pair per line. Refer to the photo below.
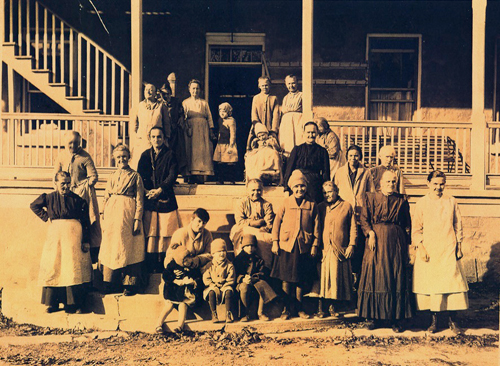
[250,182]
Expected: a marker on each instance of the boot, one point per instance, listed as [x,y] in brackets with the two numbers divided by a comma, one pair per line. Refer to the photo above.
[434,324]
[454,327]
[215,318]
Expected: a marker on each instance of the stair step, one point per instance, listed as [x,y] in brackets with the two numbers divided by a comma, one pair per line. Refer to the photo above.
[73,97]
[24,57]
[41,71]
[59,85]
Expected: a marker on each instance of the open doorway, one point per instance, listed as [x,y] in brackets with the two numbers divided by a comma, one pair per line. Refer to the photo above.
[234,64]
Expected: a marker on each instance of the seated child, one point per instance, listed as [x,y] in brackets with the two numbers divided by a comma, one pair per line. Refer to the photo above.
[263,160]
[182,286]
[218,278]
[254,215]
[251,279]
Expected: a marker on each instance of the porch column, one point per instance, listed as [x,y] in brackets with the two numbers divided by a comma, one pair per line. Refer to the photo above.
[479,131]
[136,25]
[307,59]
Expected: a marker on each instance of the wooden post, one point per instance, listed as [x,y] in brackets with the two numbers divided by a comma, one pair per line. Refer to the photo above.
[136,84]
[479,131]
[307,59]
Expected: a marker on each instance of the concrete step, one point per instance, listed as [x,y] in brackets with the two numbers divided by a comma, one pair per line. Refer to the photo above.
[140,313]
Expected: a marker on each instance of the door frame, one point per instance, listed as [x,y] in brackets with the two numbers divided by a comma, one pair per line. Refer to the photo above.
[419,66]
[231,39]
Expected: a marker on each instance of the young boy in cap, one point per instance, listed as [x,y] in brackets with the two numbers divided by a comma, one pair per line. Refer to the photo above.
[218,278]
[251,278]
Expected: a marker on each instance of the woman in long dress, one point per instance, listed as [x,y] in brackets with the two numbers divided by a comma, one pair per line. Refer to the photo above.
[295,234]
[313,162]
[150,113]
[291,126]
[122,249]
[158,169]
[439,283]
[65,266]
[200,134]
[177,141]
[384,292]
[338,243]
[353,181]
[330,141]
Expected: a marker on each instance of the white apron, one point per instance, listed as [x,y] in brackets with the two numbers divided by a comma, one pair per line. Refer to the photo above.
[119,247]
[441,223]
[291,132]
[63,263]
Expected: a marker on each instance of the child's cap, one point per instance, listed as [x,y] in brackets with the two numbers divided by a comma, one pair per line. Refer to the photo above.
[179,254]
[248,239]
[259,128]
[296,178]
[226,107]
[218,245]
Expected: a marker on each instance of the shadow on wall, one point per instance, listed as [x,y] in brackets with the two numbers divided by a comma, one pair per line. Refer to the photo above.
[492,274]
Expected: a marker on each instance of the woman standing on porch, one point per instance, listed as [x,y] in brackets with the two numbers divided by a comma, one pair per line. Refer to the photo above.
[122,250]
[439,283]
[158,169]
[200,134]
[312,160]
[150,113]
[384,292]
[291,129]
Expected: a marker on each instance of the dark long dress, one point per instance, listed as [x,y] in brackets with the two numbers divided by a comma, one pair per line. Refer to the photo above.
[384,291]
[177,141]
[314,163]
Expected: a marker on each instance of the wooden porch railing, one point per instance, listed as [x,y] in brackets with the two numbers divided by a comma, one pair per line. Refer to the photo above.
[35,140]
[420,146]
[493,160]
[73,59]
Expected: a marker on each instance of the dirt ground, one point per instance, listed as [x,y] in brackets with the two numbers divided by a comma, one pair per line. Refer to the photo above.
[251,348]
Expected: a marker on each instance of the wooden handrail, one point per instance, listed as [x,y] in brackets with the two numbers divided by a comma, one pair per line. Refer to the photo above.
[401,124]
[84,36]
[63,117]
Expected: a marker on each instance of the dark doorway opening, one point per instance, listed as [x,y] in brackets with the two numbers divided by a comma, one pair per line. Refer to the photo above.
[235,85]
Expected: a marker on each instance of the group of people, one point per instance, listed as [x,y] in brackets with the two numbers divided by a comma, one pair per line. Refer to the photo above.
[191,133]
[312,245]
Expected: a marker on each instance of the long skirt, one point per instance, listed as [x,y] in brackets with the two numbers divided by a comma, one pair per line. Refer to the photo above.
[200,160]
[291,131]
[120,248]
[442,302]
[178,145]
[159,228]
[69,295]
[261,161]
[264,242]
[63,263]
[335,277]
[294,267]
[384,284]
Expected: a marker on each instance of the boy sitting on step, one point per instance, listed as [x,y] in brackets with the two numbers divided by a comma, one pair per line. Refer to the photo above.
[251,277]
[218,277]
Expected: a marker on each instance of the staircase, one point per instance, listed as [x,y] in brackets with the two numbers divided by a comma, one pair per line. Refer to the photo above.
[61,62]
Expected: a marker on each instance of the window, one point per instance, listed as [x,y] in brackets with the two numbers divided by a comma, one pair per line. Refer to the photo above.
[393,90]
